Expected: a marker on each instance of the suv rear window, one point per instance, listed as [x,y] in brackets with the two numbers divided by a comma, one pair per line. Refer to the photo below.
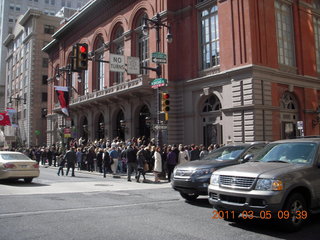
[226,153]
[301,153]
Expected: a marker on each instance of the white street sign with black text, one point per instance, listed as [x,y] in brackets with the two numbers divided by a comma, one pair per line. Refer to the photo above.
[117,63]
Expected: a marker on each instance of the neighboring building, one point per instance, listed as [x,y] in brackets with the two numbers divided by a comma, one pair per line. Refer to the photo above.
[238,71]
[10,10]
[27,75]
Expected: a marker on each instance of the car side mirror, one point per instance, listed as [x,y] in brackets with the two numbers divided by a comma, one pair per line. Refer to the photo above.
[247,158]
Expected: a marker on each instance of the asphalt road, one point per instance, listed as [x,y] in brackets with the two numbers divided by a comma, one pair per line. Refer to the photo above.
[90,207]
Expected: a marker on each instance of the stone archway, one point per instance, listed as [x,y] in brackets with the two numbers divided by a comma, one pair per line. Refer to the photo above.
[100,127]
[144,124]
[289,115]
[120,126]
[84,128]
[211,115]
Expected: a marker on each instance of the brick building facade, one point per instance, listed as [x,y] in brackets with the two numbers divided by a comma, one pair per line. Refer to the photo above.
[237,70]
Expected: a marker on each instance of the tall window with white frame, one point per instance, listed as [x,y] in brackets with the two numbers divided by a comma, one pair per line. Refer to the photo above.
[118,48]
[284,21]
[142,44]
[316,23]
[99,65]
[210,49]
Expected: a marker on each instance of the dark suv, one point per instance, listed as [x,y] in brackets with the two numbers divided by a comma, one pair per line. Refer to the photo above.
[281,182]
[191,179]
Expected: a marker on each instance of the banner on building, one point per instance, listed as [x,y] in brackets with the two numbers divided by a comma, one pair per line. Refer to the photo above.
[4,119]
[63,96]
[12,113]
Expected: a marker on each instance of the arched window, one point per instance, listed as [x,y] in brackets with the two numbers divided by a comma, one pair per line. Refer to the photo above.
[99,66]
[56,82]
[117,48]
[142,44]
[211,104]
[210,37]
[288,102]
[289,114]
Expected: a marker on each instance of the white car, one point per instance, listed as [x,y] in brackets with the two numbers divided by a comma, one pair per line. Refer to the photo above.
[15,165]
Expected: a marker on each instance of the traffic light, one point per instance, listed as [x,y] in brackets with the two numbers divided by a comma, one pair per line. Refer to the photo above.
[165,102]
[80,57]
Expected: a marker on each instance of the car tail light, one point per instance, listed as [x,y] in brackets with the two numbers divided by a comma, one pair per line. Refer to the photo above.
[9,165]
[36,165]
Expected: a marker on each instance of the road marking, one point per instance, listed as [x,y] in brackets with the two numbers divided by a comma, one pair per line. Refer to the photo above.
[18,214]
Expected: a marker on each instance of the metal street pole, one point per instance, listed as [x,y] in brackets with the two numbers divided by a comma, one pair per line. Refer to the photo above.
[157,25]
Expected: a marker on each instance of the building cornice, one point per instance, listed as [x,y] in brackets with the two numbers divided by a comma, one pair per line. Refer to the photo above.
[30,13]
[8,39]
[75,18]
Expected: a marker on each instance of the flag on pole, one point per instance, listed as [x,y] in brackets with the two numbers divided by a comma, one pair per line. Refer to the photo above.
[63,96]
[4,119]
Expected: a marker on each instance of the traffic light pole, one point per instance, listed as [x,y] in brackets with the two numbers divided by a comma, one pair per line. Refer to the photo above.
[157,25]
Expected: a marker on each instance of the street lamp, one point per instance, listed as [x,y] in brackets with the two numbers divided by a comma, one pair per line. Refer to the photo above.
[18,99]
[157,24]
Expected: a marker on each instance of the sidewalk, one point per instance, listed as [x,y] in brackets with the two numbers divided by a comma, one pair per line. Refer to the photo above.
[149,176]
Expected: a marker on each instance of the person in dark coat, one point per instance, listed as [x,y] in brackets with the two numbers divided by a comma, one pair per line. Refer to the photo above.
[131,156]
[90,159]
[71,159]
[141,160]
[195,153]
[106,163]
[171,162]
[99,159]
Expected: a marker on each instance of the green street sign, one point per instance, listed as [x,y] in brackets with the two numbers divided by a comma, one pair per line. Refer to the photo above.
[158,82]
[159,57]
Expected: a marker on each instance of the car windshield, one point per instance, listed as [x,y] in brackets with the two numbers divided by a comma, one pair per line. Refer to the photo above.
[294,152]
[226,153]
[13,156]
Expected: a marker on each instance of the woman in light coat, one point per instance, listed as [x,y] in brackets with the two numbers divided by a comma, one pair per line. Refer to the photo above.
[157,164]
[183,155]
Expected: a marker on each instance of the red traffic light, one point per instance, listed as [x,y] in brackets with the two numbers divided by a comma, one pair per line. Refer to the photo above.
[165,95]
[82,49]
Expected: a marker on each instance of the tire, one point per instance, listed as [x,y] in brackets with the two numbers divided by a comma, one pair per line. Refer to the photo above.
[189,197]
[294,204]
[28,180]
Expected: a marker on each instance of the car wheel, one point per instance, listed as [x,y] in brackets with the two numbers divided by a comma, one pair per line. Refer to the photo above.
[297,207]
[28,180]
[189,196]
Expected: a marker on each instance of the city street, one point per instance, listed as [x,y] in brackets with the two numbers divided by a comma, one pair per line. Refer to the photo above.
[89,206]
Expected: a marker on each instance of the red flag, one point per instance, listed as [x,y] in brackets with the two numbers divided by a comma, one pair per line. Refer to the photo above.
[4,119]
[63,96]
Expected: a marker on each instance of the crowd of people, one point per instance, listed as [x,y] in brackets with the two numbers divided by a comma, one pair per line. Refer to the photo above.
[137,155]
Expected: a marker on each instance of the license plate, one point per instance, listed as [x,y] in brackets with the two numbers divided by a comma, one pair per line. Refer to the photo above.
[23,166]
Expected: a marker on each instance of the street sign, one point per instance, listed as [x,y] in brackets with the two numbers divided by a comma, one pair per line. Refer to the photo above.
[158,57]
[67,133]
[160,127]
[133,64]
[300,125]
[158,82]
[117,63]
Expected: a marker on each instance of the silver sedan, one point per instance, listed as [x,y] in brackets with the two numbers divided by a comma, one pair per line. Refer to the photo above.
[15,165]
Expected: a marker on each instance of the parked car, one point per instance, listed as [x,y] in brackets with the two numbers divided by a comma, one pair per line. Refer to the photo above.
[15,165]
[191,179]
[281,182]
